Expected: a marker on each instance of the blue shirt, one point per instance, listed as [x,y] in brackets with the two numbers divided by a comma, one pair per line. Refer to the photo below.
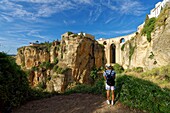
[108,72]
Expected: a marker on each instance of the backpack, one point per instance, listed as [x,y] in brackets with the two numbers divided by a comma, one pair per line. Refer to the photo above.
[109,79]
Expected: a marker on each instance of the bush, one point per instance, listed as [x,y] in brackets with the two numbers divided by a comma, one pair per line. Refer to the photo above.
[123,46]
[142,94]
[149,27]
[131,51]
[151,56]
[55,60]
[138,69]
[34,68]
[69,33]
[97,88]
[46,65]
[60,70]
[14,86]
[93,73]
[118,68]
[13,83]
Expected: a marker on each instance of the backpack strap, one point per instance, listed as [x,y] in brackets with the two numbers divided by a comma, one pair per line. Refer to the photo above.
[109,74]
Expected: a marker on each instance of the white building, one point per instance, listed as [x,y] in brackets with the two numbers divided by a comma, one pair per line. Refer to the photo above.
[156,11]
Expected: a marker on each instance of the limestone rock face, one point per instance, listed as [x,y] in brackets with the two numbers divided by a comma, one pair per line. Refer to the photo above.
[59,65]
[29,56]
[149,54]
[81,54]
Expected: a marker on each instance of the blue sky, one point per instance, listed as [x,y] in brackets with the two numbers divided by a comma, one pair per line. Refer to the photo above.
[24,21]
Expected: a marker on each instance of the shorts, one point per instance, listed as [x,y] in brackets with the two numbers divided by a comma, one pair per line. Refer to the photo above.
[109,87]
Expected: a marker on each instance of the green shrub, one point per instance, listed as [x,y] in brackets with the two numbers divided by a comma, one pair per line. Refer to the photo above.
[46,65]
[142,94]
[60,70]
[14,86]
[123,46]
[128,70]
[55,68]
[75,35]
[138,69]
[41,86]
[13,83]
[56,60]
[149,27]
[35,94]
[118,68]
[151,56]
[34,68]
[131,51]
[97,88]
[93,73]
[69,33]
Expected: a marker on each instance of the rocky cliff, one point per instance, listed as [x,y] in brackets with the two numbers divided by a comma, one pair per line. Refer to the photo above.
[139,52]
[58,65]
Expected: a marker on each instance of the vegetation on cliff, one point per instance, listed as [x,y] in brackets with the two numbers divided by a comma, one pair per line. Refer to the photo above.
[160,21]
[152,23]
[149,27]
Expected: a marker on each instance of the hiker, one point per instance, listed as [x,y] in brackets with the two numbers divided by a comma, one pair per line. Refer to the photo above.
[109,76]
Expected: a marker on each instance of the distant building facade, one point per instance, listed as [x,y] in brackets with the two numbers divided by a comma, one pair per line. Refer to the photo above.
[158,7]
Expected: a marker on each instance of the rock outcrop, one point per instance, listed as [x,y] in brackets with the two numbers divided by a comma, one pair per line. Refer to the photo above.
[81,54]
[57,66]
[138,52]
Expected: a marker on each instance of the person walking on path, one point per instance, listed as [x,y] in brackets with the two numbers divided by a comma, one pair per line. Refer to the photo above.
[109,76]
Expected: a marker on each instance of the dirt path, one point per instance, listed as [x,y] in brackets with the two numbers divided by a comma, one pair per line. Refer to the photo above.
[74,103]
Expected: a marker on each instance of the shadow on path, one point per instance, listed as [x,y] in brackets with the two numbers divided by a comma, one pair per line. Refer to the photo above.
[74,103]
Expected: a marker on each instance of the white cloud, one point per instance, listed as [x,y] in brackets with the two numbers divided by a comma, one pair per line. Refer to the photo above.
[40,8]
[36,34]
[36,1]
[16,9]
[69,22]
[114,32]
[131,7]
[6,18]
[83,1]
[109,20]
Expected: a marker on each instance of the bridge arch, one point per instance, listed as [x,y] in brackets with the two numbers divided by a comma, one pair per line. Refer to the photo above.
[122,40]
[113,53]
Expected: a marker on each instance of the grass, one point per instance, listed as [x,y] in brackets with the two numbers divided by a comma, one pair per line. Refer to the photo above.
[143,94]
[140,92]
[160,76]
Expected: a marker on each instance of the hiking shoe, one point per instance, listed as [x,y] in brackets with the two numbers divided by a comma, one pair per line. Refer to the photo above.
[112,103]
[108,102]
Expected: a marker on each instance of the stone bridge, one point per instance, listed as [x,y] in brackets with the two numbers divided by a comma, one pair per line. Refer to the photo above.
[113,48]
